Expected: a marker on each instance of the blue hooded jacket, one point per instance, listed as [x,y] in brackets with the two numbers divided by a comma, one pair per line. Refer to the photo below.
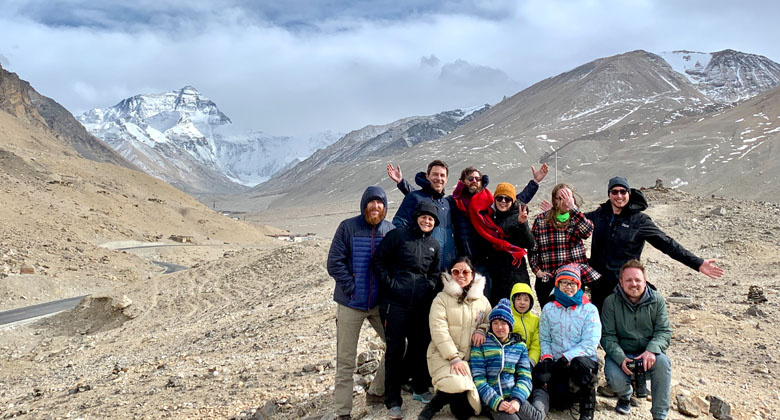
[349,258]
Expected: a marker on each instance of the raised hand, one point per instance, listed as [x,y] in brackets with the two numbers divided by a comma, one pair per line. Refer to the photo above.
[394,172]
[522,215]
[540,174]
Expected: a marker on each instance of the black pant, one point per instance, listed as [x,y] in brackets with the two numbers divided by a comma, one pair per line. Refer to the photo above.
[543,289]
[459,404]
[602,288]
[575,382]
[402,324]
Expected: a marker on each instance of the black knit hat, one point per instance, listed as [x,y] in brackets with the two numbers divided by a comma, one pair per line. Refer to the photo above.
[618,180]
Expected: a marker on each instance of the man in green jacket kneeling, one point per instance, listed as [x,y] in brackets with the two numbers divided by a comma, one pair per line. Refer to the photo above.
[635,336]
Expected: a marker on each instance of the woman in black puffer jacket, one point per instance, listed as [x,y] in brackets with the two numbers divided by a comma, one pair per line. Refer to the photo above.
[514,222]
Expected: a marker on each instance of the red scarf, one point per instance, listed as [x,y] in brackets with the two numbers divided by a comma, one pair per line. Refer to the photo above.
[480,212]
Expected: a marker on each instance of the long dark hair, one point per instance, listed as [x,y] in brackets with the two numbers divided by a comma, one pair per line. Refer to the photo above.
[466,289]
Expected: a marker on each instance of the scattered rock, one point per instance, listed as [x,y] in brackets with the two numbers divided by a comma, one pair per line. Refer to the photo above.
[718,211]
[27,269]
[754,311]
[80,388]
[683,300]
[123,303]
[756,295]
[687,318]
[720,409]
[686,406]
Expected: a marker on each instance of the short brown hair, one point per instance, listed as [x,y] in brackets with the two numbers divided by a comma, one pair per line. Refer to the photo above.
[464,173]
[438,162]
[633,263]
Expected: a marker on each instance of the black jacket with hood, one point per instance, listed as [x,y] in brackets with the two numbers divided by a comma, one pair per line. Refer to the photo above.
[618,238]
[407,262]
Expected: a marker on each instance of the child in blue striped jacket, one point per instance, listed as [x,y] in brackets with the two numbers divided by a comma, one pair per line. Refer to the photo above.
[502,371]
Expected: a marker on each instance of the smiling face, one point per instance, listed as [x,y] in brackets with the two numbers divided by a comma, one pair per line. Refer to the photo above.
[437,177]
[618,197]
[522,302]
[473,182]
[633,283]
[503,202]
[462,274]
[500,329]
[568,287]
[426,222]
[374,212]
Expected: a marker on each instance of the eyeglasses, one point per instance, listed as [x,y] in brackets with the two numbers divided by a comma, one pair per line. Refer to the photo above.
[472,178]
[503,198]
[457,272]
[566,283]
[618,192]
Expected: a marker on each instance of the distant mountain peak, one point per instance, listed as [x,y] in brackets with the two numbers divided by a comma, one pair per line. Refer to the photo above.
[725,76]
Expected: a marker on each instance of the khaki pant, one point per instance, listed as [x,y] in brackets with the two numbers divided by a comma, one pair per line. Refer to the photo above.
[348,324]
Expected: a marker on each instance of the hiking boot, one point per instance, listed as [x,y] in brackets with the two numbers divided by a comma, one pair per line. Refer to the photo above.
[425,397]
[437,403]
[587,403]
[606,391]
[395,413]
[372,399]
[623,406]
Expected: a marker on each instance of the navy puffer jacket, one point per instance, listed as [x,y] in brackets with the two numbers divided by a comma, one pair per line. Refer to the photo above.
[349,259]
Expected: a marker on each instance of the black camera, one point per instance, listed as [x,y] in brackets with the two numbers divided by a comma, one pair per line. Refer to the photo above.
[638,380]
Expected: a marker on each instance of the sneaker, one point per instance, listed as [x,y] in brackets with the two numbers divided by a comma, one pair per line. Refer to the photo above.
[372,399]
[425,397]
[395,413]
[623,406]
[427,413]
[605,391]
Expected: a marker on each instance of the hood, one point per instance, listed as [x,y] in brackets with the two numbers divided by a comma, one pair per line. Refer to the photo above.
[371,193]
[521,288]
[426,207]
[647,297]
[636,202]
[475,292]
[421,180]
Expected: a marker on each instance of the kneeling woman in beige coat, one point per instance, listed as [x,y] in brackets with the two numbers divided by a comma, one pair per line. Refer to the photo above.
[458,320]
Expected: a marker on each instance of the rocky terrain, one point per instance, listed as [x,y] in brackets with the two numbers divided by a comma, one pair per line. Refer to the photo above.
[251,332]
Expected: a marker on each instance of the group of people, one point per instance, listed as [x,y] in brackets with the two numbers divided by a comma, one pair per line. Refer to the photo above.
[446,286]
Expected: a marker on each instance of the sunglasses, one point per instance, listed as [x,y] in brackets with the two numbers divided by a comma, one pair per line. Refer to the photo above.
[503,199]
[472,178]
[457,272]
[618,192]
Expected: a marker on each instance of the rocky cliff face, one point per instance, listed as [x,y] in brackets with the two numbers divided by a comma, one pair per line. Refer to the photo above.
[728,75]
[19,99]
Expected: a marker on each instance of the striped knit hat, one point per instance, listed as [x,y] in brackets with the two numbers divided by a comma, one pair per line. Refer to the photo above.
[570,272]
[503,311]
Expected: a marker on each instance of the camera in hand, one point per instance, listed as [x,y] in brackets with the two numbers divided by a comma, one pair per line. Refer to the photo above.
[638,377]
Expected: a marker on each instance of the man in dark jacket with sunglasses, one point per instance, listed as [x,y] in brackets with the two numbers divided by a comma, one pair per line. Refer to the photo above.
[620,232]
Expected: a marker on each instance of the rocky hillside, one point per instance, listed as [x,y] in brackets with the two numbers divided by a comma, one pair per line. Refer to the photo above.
[19,99]
[371,142]
[59,207]
[615,115]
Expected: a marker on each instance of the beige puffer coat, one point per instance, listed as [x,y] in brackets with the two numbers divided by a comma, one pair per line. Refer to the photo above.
[452,325]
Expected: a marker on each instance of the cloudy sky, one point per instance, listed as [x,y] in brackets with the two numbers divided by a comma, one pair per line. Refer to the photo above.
[295,67]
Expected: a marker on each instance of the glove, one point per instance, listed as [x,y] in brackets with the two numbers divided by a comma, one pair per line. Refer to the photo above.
[543,373]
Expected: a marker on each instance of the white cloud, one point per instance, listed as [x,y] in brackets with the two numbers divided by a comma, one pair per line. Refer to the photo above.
[281,67]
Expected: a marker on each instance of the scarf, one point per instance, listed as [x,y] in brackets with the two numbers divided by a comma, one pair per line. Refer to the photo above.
[462,200]
[567,301]
[563,217]
[480,211]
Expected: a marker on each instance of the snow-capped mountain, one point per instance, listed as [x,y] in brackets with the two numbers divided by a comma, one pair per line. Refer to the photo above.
[183,138]
[726,76]
[374,141]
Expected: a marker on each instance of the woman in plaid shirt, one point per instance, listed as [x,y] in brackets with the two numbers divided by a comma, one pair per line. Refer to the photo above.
[559,233]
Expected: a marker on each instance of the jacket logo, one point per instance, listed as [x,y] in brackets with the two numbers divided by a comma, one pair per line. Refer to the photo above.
[431,249]
[626,225]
